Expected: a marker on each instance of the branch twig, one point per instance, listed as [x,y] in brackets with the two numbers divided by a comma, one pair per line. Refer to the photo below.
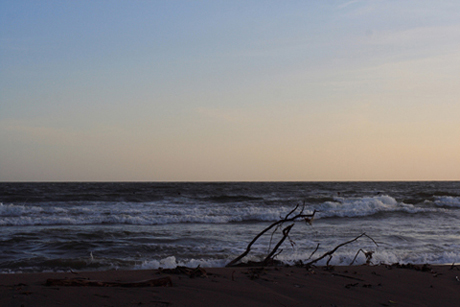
[286,219]
[368,256]
[329,253]
[285,235]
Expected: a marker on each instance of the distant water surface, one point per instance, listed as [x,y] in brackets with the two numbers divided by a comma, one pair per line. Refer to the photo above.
[139,225]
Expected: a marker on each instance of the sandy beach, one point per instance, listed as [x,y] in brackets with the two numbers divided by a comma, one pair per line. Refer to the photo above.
[241,286]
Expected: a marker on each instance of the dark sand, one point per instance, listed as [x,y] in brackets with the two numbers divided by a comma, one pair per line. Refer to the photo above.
[282,286]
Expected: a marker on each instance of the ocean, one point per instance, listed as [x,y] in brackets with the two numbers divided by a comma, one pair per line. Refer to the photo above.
[87,226]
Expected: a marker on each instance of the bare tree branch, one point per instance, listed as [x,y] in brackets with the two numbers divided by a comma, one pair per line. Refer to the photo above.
[285,235]
[329,253]
[311,255]
[287,218]
[368,256]
[292,217]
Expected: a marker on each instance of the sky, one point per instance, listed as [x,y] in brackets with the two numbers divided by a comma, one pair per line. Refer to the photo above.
[139,90]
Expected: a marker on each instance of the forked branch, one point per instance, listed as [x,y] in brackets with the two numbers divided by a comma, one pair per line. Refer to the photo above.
[293,217]
[290,217]
[329,253]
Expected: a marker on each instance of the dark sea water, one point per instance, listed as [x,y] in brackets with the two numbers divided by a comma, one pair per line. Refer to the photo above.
[137,225]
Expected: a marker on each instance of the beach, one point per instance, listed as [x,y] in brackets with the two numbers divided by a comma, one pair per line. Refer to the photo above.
[170,244]
[382,285]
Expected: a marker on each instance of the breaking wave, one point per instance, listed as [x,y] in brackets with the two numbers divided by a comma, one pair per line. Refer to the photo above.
[95,213]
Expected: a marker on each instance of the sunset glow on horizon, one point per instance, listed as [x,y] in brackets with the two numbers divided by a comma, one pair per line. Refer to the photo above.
[229,90]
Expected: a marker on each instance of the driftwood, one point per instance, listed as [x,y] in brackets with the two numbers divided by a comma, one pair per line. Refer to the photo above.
[271,255]
[81,282]
[368,256]
[331,252]
[291,217]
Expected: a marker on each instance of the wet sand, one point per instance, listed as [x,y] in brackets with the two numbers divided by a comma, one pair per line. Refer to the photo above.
[241,286]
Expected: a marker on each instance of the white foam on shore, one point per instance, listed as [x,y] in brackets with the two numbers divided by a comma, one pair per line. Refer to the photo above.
[171,263]
[338,258]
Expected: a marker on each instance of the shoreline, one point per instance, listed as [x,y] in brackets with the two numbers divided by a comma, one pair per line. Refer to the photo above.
[375,285]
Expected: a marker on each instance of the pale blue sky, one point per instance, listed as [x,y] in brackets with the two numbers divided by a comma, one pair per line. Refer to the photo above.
[229,90]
